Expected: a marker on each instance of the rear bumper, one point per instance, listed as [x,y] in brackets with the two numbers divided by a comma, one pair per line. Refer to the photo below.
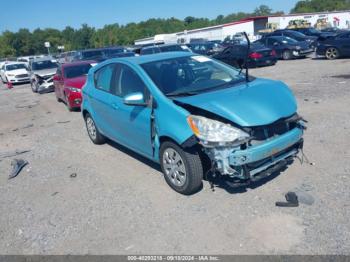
[266,61]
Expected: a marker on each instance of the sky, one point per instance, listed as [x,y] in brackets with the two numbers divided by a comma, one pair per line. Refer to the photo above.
[32,14]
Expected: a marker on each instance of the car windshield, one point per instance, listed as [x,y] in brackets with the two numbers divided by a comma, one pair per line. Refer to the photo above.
[76,70]
[46,64]
[115,51]
[296,34]
[314,31]
[15,67]
[172,48]
[190,75]
[92,54]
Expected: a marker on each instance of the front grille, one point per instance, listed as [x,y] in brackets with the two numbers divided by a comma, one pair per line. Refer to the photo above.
[262,133]
[47,77]
[22,76]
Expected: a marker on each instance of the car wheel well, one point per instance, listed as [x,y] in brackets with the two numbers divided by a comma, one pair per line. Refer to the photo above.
[163,139]
[85,112]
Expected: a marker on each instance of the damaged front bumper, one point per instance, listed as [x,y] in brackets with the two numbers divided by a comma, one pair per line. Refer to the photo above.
[45,84]
[257,161]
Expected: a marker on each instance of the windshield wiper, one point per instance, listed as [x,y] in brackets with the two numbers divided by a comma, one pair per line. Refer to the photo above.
[187,93]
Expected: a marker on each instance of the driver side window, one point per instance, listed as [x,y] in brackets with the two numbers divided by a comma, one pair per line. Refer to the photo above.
[130,82]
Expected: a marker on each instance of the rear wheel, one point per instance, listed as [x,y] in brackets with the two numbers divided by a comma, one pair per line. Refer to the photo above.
[287,55]
[95,135]
[332,53]
[182,168]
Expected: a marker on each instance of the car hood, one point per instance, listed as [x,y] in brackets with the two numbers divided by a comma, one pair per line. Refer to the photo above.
[17,72]
[257,103]
[76,82]
[45,72]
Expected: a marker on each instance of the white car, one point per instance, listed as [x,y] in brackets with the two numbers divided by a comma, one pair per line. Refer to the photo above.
[14,72]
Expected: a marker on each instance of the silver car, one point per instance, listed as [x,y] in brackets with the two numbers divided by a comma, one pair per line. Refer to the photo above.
[42,71]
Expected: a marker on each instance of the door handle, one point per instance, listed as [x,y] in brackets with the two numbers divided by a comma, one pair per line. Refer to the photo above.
[115,106]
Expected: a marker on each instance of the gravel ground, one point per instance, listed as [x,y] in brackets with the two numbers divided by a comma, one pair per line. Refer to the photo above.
[119,202]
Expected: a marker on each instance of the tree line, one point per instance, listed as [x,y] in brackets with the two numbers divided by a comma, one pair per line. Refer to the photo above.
[24,42]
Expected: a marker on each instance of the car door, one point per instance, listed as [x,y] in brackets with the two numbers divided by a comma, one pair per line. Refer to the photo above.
[344,44]
[100,98]
[132,123]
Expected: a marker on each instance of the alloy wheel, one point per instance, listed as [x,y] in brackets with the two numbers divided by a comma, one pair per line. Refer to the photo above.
[332,53]
[90,124]
[174,167]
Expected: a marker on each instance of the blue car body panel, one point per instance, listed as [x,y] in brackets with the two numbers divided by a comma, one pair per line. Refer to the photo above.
[259,102]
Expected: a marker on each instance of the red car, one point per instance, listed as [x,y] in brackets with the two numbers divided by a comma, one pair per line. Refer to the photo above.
[69,80]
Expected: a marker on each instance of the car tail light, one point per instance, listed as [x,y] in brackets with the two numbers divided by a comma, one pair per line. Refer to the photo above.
[255,55]
[273,53]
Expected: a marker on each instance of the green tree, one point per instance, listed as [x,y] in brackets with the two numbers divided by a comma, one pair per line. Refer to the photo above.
[307,6]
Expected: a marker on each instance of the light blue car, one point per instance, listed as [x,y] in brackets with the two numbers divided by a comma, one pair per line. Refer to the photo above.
[193,115]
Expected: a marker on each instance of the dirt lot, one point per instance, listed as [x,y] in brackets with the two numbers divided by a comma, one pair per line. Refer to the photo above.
[120,204]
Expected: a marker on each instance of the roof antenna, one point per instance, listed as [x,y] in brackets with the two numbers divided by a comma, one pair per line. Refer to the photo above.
[247,57]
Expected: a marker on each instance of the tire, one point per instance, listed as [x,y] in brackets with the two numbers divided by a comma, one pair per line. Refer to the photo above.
[95,135]
[332,53]
[182,168]
[34,86]
[286,55]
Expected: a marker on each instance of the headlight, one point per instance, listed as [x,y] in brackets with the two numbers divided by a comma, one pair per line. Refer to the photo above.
[213,131]
[10,75]
[74,89]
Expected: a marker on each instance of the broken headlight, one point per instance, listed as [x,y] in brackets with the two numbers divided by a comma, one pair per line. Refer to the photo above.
[212,131]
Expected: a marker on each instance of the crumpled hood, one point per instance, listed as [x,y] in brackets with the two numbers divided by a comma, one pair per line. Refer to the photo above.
[45,72]
[260,102]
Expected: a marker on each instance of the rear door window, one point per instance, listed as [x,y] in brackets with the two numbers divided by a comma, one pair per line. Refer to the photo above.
[103,77]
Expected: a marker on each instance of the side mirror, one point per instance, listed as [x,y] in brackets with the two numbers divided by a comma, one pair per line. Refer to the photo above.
[134,99]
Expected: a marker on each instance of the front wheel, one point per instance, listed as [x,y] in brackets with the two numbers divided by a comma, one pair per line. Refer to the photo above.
[332,53]
[287,55]
[182,168]
[34,86]
[95,135]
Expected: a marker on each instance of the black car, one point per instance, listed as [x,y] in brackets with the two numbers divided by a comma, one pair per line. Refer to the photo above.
[101,54]
[148,50]
[205,48]
[314,32]
[236,55]
[335,47]
[312,40]
[286,48]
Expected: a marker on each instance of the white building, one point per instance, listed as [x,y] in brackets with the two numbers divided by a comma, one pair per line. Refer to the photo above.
[251,26]
[340,19]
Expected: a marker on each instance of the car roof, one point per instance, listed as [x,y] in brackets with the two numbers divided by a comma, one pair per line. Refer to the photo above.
[14,63]
[152,58]
[75,63]
[46,58]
